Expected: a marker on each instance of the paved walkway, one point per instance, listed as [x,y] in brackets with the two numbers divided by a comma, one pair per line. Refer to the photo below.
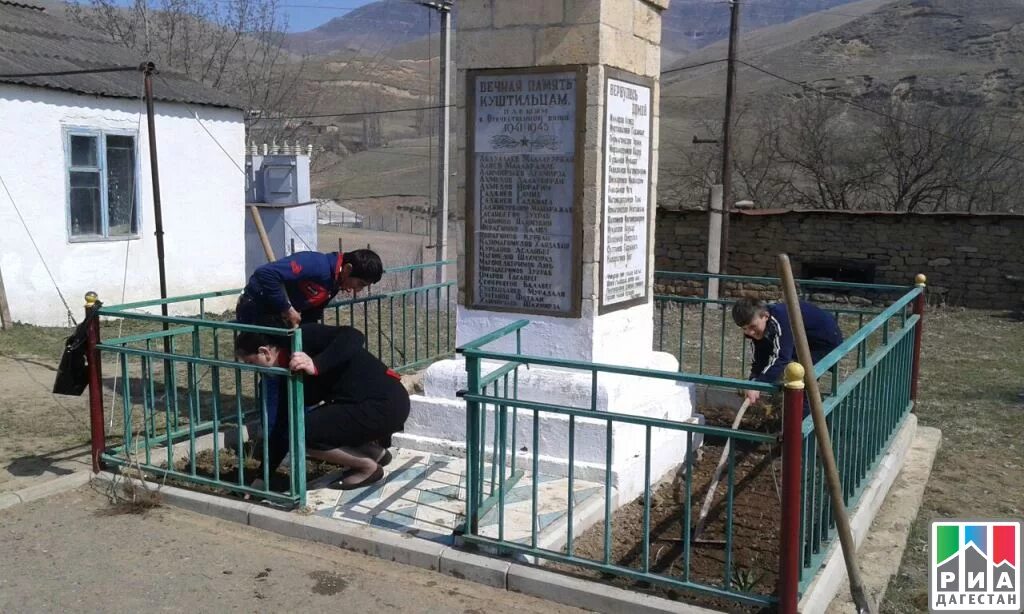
[425,495]
[75,553]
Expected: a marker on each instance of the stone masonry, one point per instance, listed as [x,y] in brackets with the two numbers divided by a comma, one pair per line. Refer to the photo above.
[967,258]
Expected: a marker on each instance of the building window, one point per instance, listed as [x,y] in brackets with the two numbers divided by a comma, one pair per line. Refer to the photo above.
[103,190]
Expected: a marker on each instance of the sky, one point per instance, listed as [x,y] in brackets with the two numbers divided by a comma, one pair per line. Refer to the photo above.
[308,14]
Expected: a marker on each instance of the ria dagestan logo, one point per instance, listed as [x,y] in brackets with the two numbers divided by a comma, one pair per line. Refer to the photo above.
[975,567]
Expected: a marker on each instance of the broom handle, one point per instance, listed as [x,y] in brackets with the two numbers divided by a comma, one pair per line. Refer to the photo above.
[709,497]
[835,488]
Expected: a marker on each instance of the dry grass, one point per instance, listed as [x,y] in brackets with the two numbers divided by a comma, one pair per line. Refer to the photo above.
[971,382]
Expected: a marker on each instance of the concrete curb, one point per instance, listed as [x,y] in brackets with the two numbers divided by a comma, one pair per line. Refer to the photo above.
[418,552]
[829,580]
[48,488]
[882,551]
[591,595]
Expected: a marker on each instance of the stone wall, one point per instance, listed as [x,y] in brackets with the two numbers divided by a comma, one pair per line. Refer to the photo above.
[967,258]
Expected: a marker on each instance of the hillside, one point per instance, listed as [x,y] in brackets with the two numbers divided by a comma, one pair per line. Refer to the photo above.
[368,29]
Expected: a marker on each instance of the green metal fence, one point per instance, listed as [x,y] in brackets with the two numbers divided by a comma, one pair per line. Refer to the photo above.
[865,408]
[698,330]
[407,327]
[868,387]
[190,413]
[495,413]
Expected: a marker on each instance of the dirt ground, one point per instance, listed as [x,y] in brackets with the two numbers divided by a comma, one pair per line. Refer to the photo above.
[41,435]
[76,552]
[756,506]
[971,383]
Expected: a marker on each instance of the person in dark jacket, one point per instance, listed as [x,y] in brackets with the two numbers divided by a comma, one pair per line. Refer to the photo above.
[767,327]
[295,289]
[354,403]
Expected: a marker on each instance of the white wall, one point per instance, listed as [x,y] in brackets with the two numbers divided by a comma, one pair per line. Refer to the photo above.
[202,195]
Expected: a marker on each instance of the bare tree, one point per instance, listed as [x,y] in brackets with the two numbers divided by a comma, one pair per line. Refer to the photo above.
[235,46]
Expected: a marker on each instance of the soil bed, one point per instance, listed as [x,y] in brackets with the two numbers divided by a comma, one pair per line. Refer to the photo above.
[755,530]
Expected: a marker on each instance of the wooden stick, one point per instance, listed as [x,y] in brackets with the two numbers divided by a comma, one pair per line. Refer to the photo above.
[718,474]
[835,488]
[257,219]
[5,309]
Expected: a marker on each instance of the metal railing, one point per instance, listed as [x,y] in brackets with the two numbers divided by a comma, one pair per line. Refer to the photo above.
[405,328]
[493,397]
[189,410]
[190,413]
[864,409]
[871,386]
[698,329]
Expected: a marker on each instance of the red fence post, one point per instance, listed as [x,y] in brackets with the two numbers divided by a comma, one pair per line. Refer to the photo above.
[96,428]
[792,460]
[919,304]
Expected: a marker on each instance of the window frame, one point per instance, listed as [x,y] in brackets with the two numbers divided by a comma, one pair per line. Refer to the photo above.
[100,134]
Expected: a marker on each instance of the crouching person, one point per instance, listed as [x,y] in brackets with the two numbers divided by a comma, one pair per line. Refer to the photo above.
[767,327]
[354,402]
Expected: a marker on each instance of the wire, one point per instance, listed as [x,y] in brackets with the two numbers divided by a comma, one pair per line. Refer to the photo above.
[863,107]
[38,251]
[690,66]
[60,73]
[127,246]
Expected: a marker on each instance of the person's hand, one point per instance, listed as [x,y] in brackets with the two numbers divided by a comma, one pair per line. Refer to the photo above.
[752,396]
[301,362]
[291,317]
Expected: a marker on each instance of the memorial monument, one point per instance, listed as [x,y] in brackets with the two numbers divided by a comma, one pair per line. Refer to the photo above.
[557,107]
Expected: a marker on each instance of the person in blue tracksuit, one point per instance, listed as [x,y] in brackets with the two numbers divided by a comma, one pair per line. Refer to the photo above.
[294,290]
[767,327]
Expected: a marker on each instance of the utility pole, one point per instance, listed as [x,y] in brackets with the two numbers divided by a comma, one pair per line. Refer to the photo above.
[730,88]
[444,10]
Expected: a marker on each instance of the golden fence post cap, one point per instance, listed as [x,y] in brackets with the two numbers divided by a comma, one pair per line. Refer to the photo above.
[90,299]
[920,280]
[794,376]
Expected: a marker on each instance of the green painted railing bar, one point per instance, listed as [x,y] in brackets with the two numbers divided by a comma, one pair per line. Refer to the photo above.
[862,334]
[193,360]
[816,283]
[706,380]
[160,334]
[584,412]
[113,309]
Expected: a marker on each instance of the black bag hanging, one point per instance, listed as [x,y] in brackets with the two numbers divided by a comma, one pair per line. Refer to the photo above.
[73,373]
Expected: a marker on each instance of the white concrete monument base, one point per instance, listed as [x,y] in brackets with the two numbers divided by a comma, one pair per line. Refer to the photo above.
[437,421]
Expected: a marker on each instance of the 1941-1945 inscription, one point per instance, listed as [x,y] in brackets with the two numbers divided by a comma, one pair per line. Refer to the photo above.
[523,186]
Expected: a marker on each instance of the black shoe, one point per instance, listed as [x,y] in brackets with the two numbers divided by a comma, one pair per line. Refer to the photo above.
[377,476]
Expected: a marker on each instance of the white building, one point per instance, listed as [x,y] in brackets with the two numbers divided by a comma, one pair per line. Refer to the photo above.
[75,162]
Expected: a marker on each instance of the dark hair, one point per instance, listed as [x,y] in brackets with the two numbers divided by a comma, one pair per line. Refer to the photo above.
[746,309]
[249,343]
[366,265]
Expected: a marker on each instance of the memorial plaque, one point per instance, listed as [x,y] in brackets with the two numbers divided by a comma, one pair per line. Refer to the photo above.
[522,202]
[627,171]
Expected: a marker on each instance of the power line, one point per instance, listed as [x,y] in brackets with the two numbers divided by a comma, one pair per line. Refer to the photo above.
[61,73]
[863,107]
[355,114]
[691,66]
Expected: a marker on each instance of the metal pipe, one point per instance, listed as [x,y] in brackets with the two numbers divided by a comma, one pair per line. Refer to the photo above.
[919,304]
[148,69]
[443,174]
[792,467]
[92,339]
[730,89]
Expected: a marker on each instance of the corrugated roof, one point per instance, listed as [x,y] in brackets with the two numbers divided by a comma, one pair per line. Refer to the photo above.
[35,40]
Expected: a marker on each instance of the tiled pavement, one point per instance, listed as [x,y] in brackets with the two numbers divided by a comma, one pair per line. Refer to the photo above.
[424,495]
